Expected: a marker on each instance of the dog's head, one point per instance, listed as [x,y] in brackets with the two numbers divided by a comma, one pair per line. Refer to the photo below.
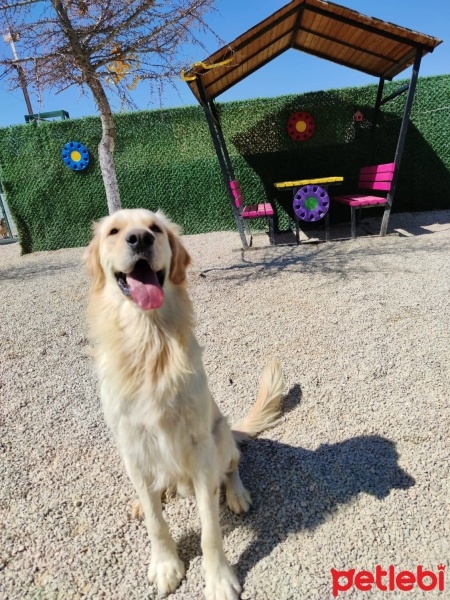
[137,253]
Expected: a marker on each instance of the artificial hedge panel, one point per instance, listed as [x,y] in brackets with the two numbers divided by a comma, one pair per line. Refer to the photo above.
[165,159]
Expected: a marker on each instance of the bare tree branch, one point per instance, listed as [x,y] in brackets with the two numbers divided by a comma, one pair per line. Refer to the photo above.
[106,46]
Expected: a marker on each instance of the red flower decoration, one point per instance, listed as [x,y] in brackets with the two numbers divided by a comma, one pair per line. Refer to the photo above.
[301,126]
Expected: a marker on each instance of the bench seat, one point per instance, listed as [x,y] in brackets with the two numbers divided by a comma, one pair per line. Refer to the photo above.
[360,200]
[253,211]
[378,178]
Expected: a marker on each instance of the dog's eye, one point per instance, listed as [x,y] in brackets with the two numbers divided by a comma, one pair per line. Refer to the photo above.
[113,231]
[155,228]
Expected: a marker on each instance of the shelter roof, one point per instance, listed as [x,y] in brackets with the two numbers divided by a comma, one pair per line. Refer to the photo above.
[320,28]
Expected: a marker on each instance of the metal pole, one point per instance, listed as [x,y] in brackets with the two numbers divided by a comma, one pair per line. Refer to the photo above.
[401,90]
[222,139]
[3,205]
[213,131]
[222,161]
[11,38]
[376,113]
[401,139]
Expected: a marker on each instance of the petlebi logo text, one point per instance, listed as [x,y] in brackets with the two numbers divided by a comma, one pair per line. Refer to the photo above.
[388,580]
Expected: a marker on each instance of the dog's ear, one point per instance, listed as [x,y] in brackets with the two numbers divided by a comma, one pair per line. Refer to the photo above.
[180,259]
[92,259]
[180,256]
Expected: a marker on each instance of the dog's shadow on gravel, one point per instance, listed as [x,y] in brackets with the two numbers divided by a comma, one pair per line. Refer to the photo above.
[294,489]
[301,489]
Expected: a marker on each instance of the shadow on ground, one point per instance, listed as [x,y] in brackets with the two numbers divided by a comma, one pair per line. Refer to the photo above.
[417,224]
[31,270]
[335,259]
[306,487]
[302,489]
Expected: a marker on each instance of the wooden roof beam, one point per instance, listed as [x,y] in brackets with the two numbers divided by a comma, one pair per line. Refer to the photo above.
[251,71]
[337,61]
[366,27]
[248,57]
[405,60]
[347,44]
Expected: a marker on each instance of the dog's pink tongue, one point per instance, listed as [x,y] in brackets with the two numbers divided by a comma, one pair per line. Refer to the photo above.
[145,289]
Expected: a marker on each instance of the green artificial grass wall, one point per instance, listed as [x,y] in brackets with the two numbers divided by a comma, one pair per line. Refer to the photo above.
[165,159]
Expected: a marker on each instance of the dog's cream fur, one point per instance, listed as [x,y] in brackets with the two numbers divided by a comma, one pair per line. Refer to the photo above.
[156,400]
[3,229]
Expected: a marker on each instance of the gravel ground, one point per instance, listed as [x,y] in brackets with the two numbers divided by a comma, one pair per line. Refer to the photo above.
[355,475]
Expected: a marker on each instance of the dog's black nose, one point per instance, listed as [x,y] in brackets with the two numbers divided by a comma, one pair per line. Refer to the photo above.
[139,240]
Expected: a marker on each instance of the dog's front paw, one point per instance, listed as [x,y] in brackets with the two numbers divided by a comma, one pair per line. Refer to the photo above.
[224,585]
[239,501]
[166,573]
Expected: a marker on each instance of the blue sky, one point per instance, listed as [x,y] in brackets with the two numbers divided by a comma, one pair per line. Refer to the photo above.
[293,72]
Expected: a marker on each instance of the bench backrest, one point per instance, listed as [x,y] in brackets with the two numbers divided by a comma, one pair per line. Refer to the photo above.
[377,177]
[236,192]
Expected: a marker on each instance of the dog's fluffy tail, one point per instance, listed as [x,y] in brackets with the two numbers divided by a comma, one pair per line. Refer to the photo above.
[266,410]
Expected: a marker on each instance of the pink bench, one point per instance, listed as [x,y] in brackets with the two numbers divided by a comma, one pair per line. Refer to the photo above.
[377,178]
[252,211]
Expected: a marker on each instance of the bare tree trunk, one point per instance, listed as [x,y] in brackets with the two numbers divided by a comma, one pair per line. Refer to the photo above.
[70,45]
[106,146]
[107,143]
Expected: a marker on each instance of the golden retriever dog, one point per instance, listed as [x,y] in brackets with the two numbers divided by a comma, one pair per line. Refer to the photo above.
[155,394]
[3,229]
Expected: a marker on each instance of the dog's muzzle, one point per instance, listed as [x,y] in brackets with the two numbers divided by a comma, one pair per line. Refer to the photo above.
[143,285]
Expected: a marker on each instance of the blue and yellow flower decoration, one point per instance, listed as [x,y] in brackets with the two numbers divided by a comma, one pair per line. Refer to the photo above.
[75,156]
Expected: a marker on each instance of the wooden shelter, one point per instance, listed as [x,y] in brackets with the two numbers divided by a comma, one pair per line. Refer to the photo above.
[325,30]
